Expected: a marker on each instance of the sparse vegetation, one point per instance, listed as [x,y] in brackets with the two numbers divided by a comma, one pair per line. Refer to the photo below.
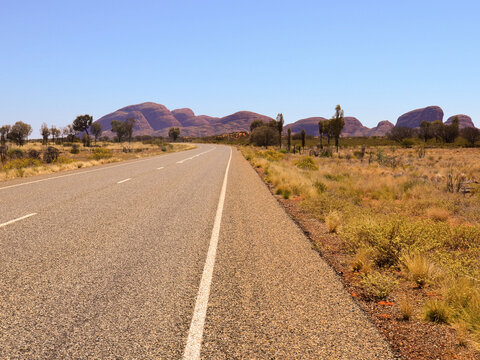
[34,158]
[406,217]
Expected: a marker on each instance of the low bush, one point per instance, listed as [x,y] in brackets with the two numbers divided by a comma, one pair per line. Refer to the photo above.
[333,221]
[34,154]
[51,154]
[307,163]
[437,311]
[377,285]
[419,269]
[21,163]
[75,149]
[15,153]
[101,153]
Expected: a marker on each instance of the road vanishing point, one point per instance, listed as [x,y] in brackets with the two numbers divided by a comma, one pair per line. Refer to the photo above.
[179,256]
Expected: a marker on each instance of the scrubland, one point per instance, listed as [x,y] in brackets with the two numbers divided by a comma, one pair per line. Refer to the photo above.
[405,218]
[29,160]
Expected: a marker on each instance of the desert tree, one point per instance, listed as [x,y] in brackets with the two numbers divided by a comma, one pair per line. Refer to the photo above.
[400,133]
[471,134]
[322,125]
[264,136]
[19,132]
[451,131]
[174,133]
[69,132]
[96,131]
[118,129]
[289,139]
[336,124]
[128,125]
[82,123]
[438,129]
[426,131]
[55,133]
[4,131]
[45,132]
[279,124]
[303,133]
[256,123]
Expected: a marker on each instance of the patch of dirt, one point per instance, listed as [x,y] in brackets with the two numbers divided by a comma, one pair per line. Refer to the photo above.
[412,339]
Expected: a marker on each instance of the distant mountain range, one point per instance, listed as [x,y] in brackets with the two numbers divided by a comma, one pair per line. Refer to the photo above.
[155,119]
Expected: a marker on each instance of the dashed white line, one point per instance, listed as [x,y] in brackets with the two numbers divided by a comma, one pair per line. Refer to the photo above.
[82,172]
[190,158]
[195,334]
[17,219]
[121,182]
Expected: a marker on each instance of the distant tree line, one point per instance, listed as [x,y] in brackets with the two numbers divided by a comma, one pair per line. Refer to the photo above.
[270,133]
[441,132]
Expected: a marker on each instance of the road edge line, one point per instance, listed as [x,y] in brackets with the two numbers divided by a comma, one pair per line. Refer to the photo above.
[195,333]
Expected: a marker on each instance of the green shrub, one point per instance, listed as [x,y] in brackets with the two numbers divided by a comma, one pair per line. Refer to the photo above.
[50,155]
[15,153]
[307,163]
[271,155]
[75,149]
[378,285]
[320,187]
[34,154]
[101,153]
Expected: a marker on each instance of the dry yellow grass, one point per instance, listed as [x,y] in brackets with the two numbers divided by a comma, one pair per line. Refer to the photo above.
[69,161]
[393,204]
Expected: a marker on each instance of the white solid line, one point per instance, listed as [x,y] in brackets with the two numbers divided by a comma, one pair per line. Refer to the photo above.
[195,334]
[160,168]
[18,219]
[120,182]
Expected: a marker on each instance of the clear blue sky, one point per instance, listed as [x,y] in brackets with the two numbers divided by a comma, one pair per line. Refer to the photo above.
[377,59]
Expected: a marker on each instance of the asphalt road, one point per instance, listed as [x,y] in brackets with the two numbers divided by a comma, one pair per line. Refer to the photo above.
[121,261]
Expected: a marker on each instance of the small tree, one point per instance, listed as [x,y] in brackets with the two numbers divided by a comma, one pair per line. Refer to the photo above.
[45,133]
[174,133]
[450,132]
[20,132]
[256,123]
[54,132]
[4,131]
[96,129]
[425,132]
[128,124]
[119,129]
[303,138]
[264,136]
[69,132]
[321,131]
[289,138]
[336,124]
[471,134]
[280,128]
[82,123]
[400,133]
[438,129]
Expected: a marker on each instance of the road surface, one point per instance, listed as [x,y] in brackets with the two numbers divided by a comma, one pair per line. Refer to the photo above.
[185,255]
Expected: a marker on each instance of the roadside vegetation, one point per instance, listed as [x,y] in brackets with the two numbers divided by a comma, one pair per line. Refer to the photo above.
[403,215]
[77,145]
[404,211]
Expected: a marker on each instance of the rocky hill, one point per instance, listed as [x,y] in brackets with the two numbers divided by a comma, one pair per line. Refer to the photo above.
[155,119]
[414,118]
[353,127]
[463,121]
